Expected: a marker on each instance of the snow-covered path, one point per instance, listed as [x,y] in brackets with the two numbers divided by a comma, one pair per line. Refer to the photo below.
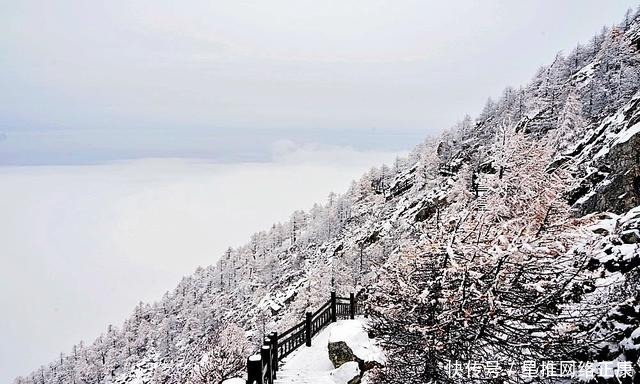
[311,364]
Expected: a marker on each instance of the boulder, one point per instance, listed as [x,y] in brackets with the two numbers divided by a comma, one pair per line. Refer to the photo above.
[600,231]
[340,353]
[426,212]
[630,237]
[352,350]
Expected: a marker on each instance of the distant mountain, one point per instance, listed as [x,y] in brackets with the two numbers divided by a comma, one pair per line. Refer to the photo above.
[511,237]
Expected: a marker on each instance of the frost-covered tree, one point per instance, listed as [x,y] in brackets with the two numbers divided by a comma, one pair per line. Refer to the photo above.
[491,288]
[226,358]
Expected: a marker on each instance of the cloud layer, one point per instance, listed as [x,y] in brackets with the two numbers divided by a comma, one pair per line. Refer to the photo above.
[83,244]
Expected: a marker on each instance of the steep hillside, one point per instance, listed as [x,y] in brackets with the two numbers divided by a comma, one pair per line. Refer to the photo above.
[486,242]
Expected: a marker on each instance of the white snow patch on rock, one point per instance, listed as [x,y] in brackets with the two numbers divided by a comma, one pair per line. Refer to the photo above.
[624,136]
[352,332]
[235,380]
[254,358]
[345,372]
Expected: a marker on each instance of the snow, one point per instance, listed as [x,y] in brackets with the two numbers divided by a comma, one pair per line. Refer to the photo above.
[113,231]
[235,380]
[587,70]
[312,364]
[274,307]
[624,136]
[613,138]
[309,362]
[275,304]
[254,358]
[367,213]
[142,373]
[628,251]
[607,225]
[585,198]
[345,372]
[366,378]
[631,215]
[354,335]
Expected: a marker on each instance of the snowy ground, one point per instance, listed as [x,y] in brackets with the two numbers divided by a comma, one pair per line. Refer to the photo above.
[312,365]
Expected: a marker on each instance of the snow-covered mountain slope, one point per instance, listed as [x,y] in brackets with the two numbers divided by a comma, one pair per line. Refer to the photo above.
[609,158]
[480,236]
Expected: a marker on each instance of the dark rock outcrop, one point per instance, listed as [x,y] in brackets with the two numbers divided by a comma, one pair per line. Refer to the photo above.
[620,190]
[340,353]
[631,236]
[612,156]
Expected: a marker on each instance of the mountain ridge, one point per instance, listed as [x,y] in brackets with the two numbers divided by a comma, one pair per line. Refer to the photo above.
[576,123]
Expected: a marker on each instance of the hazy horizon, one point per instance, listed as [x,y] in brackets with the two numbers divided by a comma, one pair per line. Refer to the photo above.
[101,238]
[228,147]
[85,83]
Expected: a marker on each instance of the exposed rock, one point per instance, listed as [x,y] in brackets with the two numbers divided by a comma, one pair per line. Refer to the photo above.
[631,236]
[584,187]
[351,347]
[488,168]
[614,152]
[370,239]
[443,149]
[340,353]
[601,231]
[399,188]
[341,356]
[402,183]
[426,212]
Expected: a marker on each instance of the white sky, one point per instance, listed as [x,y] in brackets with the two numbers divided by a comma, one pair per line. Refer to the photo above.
[107,73]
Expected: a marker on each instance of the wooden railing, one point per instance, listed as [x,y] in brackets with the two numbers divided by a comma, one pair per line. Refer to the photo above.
[262,367]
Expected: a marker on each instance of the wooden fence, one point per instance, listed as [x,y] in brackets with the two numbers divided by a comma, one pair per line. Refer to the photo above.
[263,367]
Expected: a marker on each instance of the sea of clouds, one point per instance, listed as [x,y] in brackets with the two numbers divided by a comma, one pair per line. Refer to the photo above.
[83,244]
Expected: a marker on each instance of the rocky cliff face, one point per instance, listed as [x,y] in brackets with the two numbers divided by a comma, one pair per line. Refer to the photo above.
[610,157]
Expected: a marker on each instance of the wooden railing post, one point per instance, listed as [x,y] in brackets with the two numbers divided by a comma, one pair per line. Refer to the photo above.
[274,352]
[265,354]
[254,369]
[262,368]
[352,306]
[333,307]
[307,328]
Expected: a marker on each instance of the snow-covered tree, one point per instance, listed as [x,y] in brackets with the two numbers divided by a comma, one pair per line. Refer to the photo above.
[225,359]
